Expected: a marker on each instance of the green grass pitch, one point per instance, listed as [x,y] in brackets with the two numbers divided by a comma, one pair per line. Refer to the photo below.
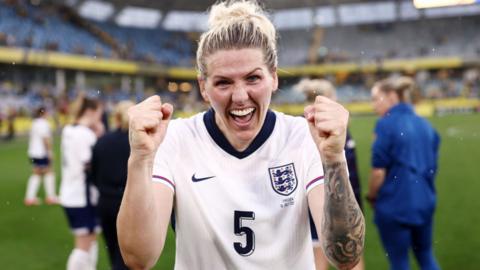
[39,238]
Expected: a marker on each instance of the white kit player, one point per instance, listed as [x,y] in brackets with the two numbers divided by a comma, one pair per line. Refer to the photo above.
[77,196]
[240,177]
[41,155]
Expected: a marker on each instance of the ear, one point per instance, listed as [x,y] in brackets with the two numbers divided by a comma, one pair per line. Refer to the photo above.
[275,79]
[201,83]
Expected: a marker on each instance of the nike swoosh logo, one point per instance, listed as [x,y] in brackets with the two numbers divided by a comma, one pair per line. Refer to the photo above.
[194,179]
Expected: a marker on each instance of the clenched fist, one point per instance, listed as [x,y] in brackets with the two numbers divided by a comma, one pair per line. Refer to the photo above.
[148,122]
[328,122]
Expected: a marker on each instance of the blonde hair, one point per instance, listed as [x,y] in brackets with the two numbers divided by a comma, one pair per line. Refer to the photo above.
[312,88]
[237,25]
[121,115]
[403,86]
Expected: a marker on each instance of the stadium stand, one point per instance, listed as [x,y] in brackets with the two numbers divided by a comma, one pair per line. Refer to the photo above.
[293,46]
[34,27]
[44,27]
[153,45]
[431,38]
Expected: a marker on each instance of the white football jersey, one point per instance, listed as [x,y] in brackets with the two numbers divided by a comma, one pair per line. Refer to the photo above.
[240,210]
[39,131]
[76,147]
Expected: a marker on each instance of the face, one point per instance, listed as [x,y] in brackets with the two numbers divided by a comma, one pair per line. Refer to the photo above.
[239,88]
[382,101]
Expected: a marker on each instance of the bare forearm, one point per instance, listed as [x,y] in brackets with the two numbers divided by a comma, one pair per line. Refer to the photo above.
[139,230]
[377,177]
[343,228]
[48,145]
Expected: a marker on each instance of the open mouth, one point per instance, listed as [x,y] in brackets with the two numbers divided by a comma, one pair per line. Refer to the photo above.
[242,116]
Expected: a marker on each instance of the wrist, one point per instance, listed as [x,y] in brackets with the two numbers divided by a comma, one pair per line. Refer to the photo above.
[139,159]
[332,158]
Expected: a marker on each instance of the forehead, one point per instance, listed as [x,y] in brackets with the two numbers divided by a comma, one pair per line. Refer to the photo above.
[376,91]
[234,62]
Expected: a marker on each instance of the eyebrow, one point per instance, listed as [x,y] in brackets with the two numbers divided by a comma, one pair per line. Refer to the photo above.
[258,68]
[228,78]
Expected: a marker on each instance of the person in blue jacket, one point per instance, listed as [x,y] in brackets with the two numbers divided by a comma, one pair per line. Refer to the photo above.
[404,164]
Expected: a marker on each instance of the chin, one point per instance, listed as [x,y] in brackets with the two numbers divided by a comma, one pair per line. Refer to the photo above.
[245,135]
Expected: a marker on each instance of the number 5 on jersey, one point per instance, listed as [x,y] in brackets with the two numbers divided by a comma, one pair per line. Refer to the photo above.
[249,247]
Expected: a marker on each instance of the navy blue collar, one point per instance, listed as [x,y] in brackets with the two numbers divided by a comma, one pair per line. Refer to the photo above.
[221,140]
[401,107]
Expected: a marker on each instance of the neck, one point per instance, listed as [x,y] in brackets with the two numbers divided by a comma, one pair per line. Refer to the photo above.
[238,144]
[83,121]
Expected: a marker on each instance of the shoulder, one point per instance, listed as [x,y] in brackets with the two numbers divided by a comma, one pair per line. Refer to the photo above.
[292,124]
[84,133]
[384,123]
[292,128]
[66,129]
[190,124]
[107,137]
[44,123]
[42,120]
[428,126]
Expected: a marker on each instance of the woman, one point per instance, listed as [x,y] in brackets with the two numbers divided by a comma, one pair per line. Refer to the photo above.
[77,196]
[240,177]
[311,88]
[109,174]
[401,187]
[41,155]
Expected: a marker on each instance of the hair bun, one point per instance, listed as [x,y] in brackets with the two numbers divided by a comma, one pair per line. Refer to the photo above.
[238,25]
[405,84]
[231,11]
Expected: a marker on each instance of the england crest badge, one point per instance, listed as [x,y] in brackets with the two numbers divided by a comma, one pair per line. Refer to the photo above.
[284,179]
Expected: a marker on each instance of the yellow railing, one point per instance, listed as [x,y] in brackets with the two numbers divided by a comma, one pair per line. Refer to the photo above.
[88,63]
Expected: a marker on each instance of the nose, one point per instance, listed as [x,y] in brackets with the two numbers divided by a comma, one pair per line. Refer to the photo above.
[240,94]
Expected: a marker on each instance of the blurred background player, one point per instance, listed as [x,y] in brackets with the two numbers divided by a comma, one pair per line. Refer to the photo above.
[109,174]
[311,88]
[41,155]
[77,196]
[401,187]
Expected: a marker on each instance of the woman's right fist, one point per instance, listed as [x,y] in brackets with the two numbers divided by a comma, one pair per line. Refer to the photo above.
[148,122]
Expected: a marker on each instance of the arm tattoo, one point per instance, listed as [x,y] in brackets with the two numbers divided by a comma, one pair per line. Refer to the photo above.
[343,228]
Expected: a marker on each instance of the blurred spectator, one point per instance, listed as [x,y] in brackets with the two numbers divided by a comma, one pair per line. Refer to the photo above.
[404,164]
[11,115]
[109,174]
[77,196]
[41,155]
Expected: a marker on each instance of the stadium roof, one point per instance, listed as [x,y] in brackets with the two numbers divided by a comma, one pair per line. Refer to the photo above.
[202,5]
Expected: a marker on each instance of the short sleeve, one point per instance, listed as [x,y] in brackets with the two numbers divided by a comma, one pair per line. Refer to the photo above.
[314,175]
[381,157]
[44,129]
[162,166]
[47,132]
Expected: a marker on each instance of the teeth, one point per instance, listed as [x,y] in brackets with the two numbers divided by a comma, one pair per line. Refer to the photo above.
[242,112]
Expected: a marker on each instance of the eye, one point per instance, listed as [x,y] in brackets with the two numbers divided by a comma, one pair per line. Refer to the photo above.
[253,78]
[222,83]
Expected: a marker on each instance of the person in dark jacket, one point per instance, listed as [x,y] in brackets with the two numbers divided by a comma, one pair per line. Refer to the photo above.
[109,174]
[404,164]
